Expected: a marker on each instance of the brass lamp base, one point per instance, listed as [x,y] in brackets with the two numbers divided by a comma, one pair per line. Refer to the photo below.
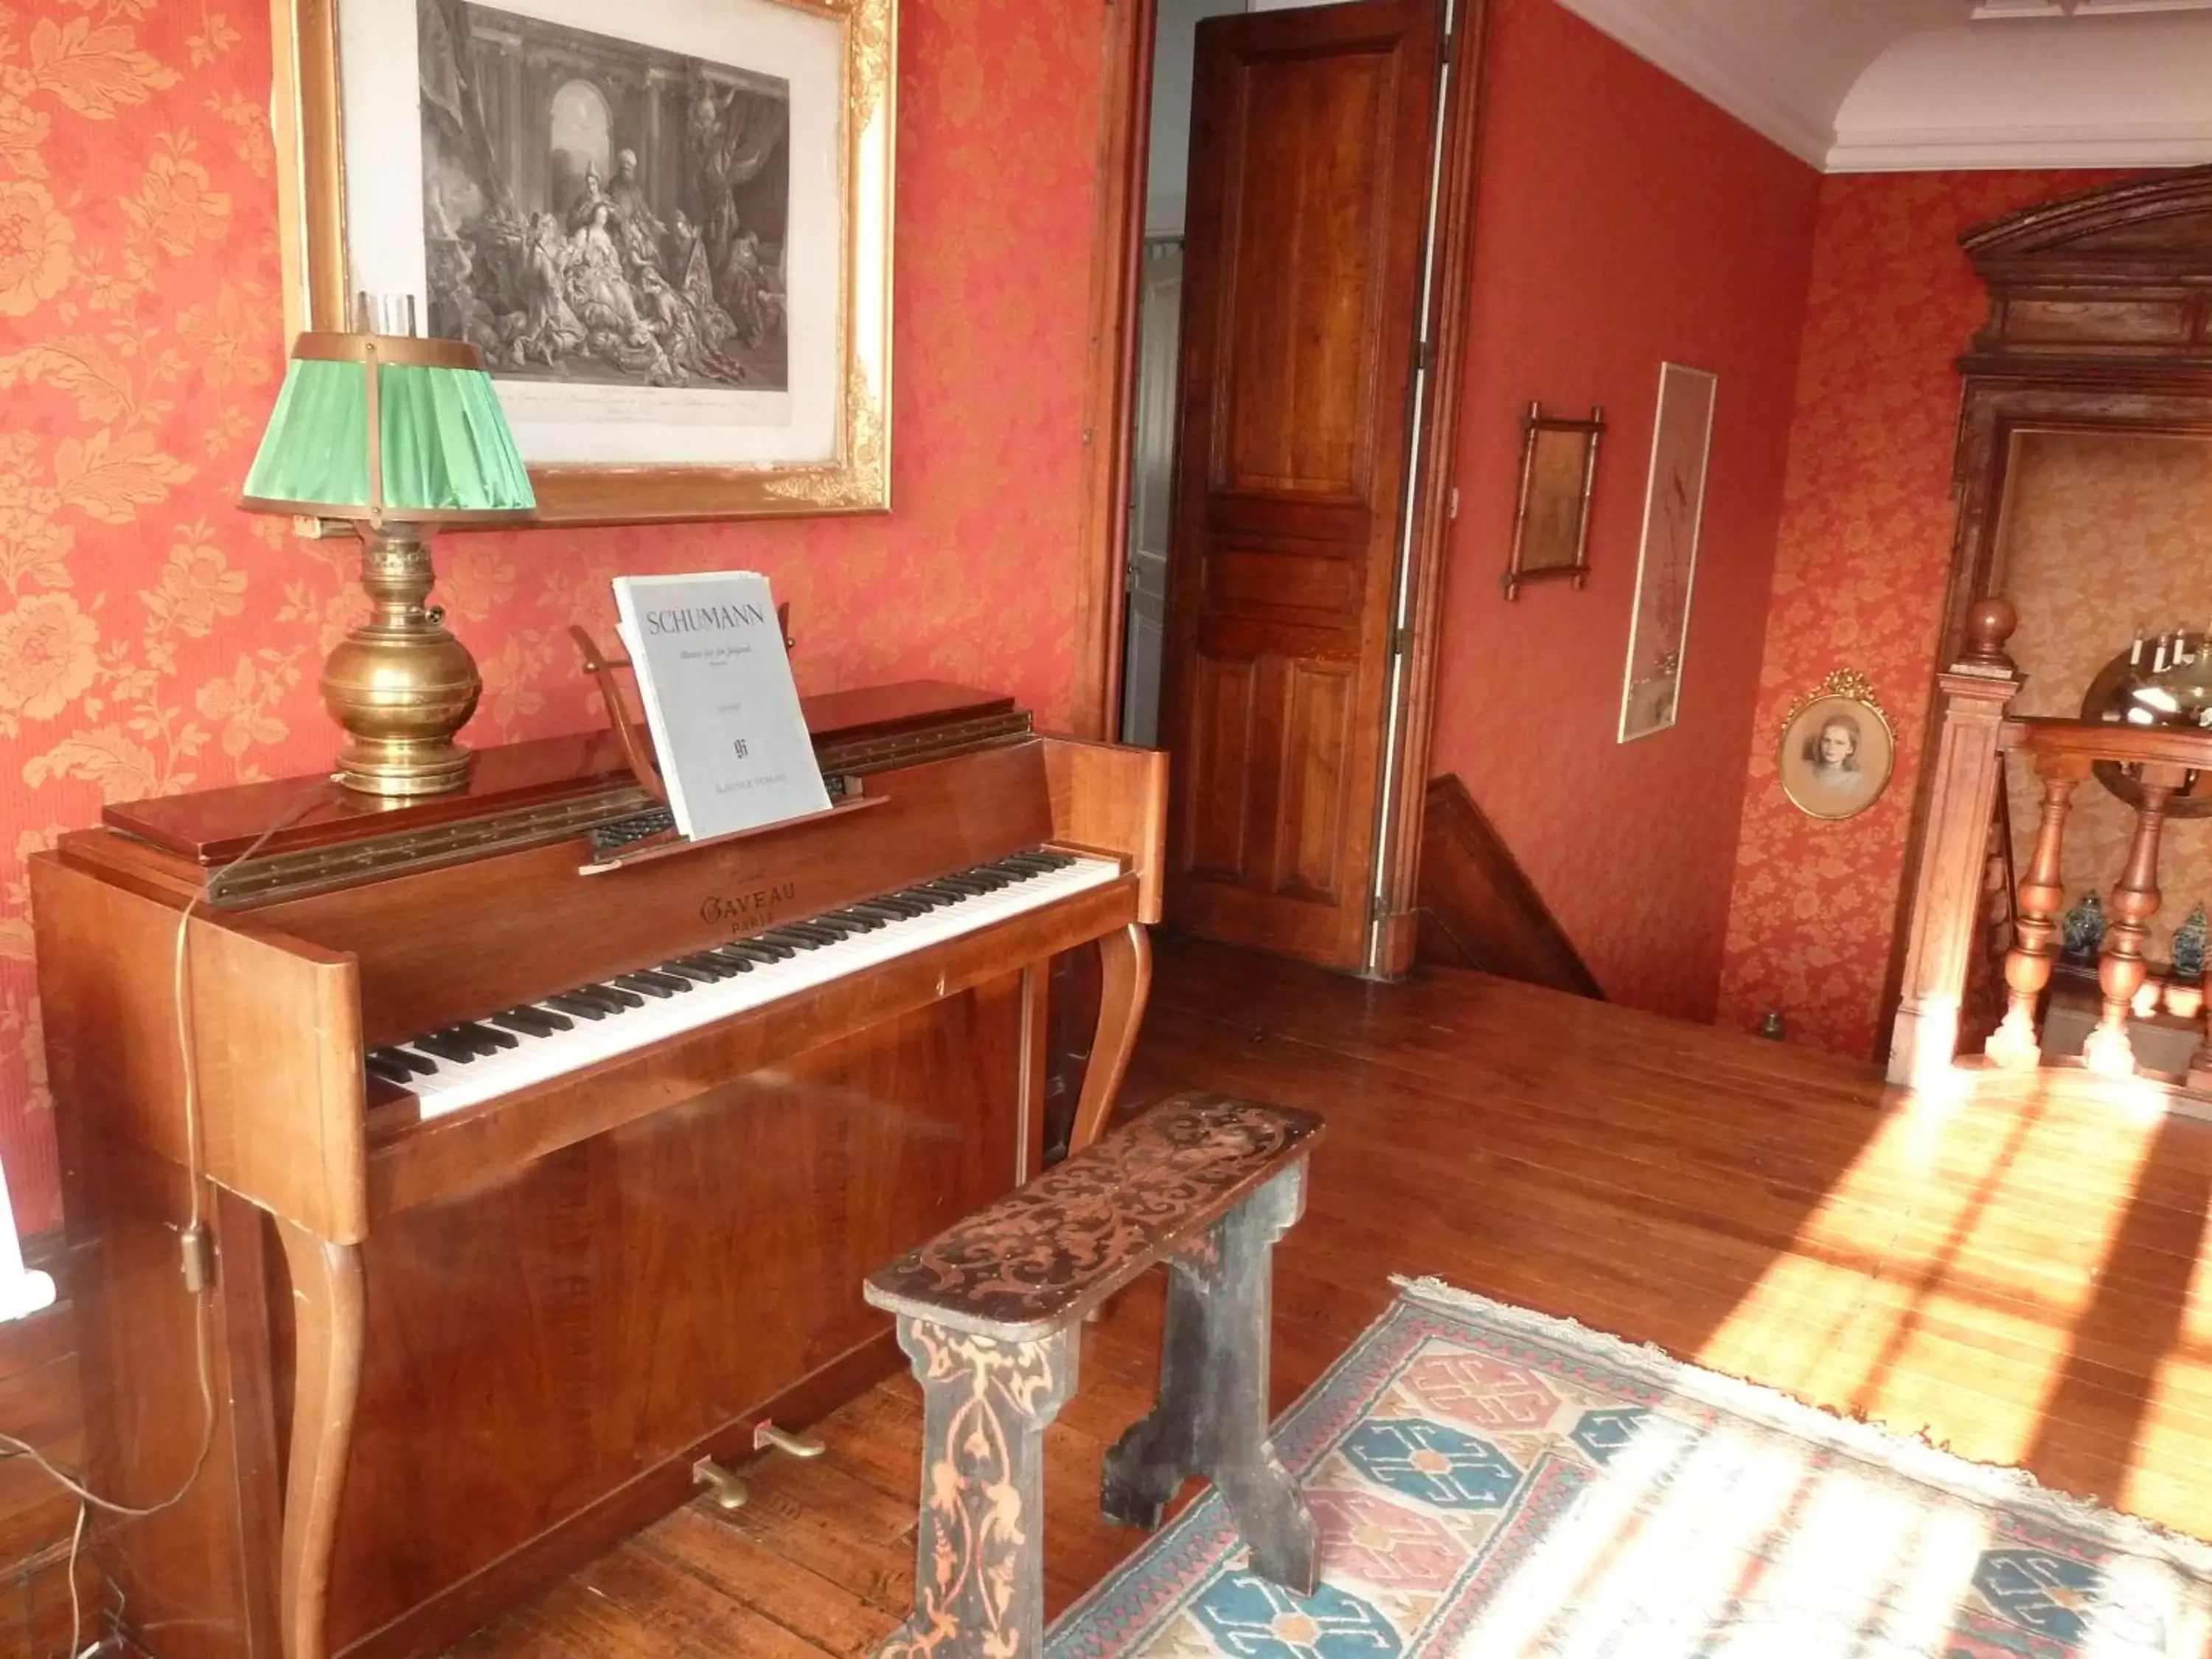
[399,685]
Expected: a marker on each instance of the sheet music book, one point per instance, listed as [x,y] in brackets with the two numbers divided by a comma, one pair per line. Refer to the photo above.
[719,701]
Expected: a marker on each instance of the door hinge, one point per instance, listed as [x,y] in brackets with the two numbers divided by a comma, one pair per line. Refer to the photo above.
[1425,355]
[1401,641]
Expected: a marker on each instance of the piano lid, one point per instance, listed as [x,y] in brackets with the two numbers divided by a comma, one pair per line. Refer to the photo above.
[853,732]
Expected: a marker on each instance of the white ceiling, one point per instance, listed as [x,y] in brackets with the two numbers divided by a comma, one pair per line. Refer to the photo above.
[1864,86]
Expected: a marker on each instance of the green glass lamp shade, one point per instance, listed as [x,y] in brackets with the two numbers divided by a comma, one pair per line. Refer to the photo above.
[440,448]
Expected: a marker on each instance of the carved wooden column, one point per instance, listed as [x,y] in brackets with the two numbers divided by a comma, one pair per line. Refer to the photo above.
[2039,902]
[2134,901]
[1948,901]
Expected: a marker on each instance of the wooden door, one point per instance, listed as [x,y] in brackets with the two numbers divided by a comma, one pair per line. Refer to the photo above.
[1309,188]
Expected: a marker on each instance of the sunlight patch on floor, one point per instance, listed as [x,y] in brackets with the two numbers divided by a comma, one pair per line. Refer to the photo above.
[1944,1306]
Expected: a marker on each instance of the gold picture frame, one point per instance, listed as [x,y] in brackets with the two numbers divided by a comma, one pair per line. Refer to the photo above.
[1551,522]
[1838,750]
[836,369]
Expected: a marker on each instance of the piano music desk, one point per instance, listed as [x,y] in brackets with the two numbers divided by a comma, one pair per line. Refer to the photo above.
[456,1355]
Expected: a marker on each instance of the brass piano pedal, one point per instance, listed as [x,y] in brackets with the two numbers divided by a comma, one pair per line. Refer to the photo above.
[767,1437]
[728,1489]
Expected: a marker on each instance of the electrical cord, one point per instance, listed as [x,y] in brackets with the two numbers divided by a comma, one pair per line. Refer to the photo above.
[76,1607]
[197,1268]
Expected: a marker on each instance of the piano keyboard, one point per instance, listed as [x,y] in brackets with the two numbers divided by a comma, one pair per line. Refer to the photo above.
[464,1066]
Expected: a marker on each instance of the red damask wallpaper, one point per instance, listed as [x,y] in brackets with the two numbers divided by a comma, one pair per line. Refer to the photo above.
[1859,579]
[153,639]
[1623,222]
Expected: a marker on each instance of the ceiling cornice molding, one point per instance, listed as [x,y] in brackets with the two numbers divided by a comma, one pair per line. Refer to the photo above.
[1915,86]
[2022,149]
[1709,65]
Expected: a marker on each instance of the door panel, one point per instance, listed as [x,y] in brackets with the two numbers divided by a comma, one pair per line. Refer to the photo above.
[1309,172]
[1319,732]
[1221,743]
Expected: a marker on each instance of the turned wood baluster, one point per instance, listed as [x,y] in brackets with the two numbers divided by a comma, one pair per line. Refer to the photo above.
[2134,901]
[2042,900]
[1943,935]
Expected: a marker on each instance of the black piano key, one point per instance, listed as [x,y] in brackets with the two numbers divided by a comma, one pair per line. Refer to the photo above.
[831,926]
[389,1070]
[807,931]
[962,883]
[866,920]
[646,982]
[717,966]
[585,1007]
[729,957]
[477,1046]
[1033,860]
[449,1048]
[406,1059]
[615,996]
[537,1011]
[480,1034]
[884,910]
[941,893]
[686,970]
[742,949]
[778,949]
[529,1022]
[791,939]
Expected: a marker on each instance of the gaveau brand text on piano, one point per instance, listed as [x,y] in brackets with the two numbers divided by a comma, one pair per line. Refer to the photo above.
[528,1187]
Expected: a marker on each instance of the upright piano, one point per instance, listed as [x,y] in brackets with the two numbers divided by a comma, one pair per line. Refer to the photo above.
[540,1160]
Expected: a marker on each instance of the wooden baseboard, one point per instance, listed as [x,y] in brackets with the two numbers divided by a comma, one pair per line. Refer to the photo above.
[1479,908]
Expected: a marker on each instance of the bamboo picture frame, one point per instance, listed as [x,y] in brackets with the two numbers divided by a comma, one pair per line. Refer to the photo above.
[698,431]
[1551,520]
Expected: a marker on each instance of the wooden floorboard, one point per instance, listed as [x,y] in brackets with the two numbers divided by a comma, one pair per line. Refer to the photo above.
[2017,1269]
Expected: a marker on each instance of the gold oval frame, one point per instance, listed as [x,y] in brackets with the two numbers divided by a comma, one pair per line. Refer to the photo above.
[1845,685]
[310,139]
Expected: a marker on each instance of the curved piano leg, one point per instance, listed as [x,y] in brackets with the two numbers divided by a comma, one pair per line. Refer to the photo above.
[327,1313]
[1125,958]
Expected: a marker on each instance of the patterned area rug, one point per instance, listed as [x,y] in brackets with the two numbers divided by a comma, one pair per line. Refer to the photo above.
[1491,1482]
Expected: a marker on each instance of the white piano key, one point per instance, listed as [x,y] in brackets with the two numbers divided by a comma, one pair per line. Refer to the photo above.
[541,1059]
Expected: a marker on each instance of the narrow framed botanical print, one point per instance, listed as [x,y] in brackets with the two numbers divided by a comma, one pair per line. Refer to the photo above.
[666,227]
[1667,565]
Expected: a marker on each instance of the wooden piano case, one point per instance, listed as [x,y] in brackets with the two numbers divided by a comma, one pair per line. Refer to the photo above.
[452,1358]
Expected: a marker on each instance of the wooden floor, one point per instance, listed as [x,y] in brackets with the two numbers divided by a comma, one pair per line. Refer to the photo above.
[2018,1270]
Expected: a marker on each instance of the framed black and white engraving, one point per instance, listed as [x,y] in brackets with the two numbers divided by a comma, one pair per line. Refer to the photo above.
[666,228]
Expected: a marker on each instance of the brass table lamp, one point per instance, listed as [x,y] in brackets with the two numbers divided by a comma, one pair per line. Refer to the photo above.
[397,433]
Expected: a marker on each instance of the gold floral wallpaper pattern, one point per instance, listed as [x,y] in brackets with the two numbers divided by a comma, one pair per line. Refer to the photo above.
[2105,535]
[154,639]
[1860,571]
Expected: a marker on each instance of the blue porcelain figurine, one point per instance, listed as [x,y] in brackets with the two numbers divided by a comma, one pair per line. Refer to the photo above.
[2189,942]
[2084,934]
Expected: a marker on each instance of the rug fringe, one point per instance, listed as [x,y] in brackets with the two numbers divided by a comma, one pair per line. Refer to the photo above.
[1915,1458]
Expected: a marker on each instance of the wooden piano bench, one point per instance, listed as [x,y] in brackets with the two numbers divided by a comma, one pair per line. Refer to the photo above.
[991,1312]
